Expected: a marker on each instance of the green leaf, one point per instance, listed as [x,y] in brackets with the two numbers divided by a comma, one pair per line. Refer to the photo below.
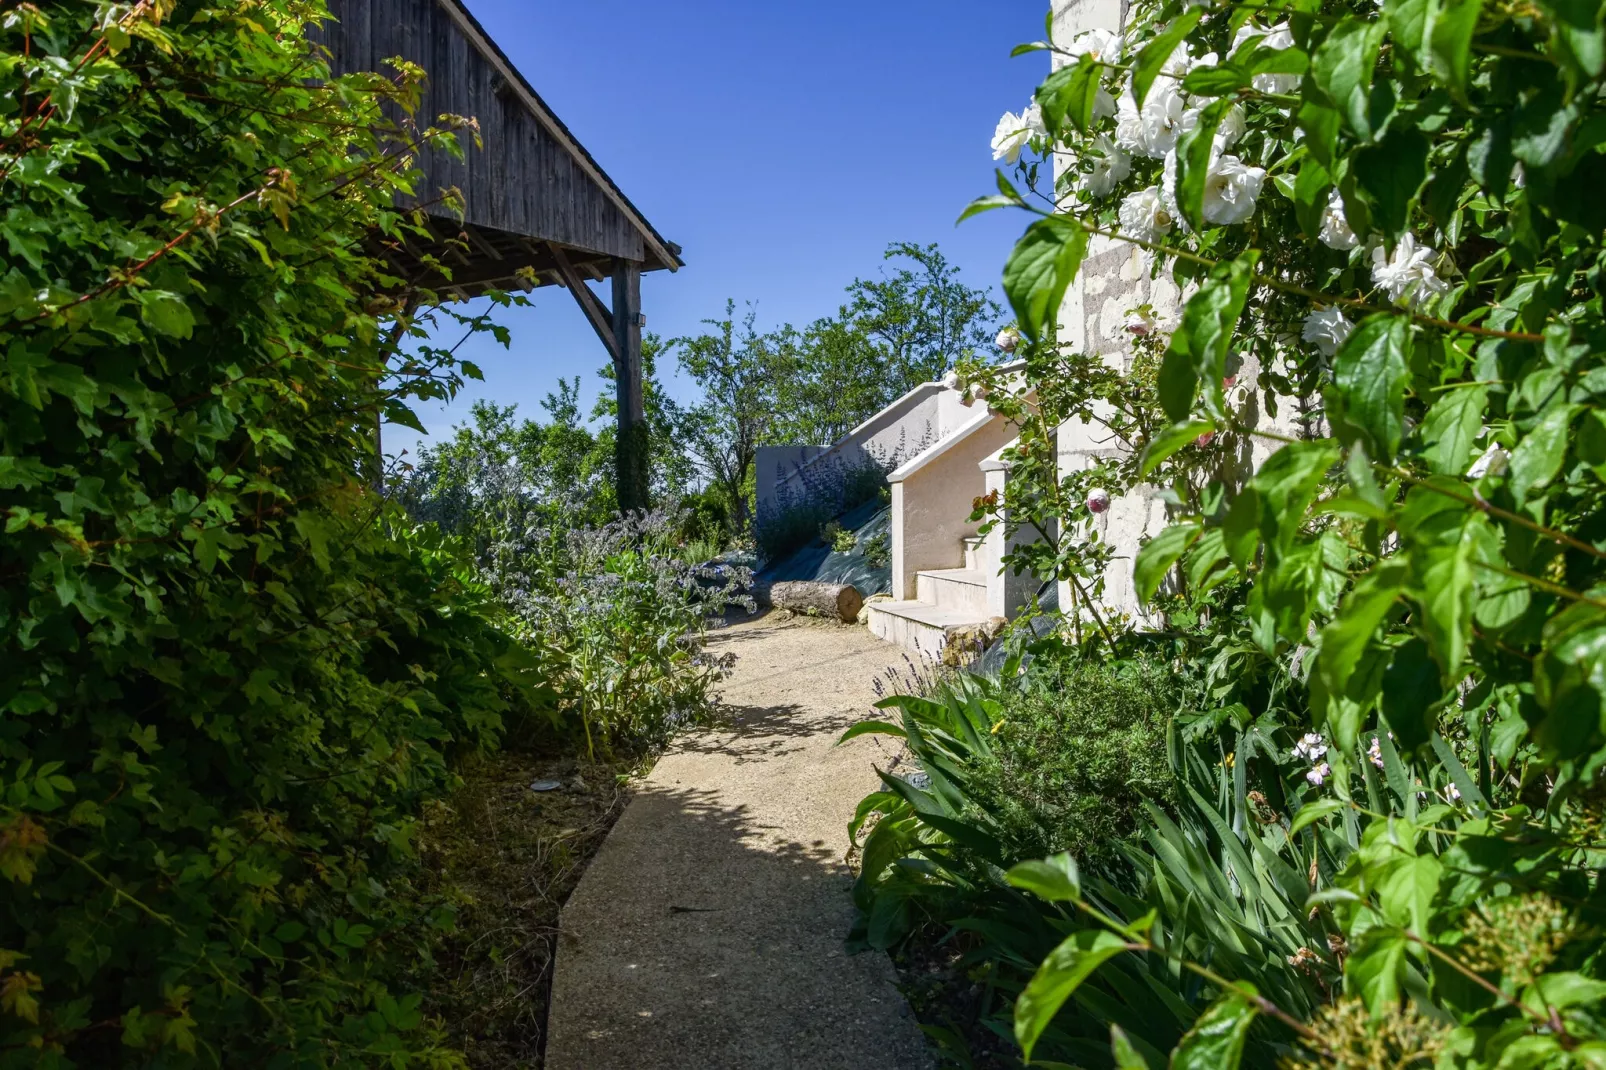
[1043,265]
[1346,638]
[1313,812]
[1126,1056]
[878,728]
[1171,440]
[1055,879]
[1198,351]
[1444,538]
[1285,486]
[1369,374]
[1391,172]
[1217,80]
[1412,694]
[1193,163]
[1451,41]
[986,204]
[1216,1041]
[1538,457]
[1342,68]
[1155,54]
[1406,889]
[1310,195]
[1372,971]
[1157,556]
[166,313]
[1069,94]
[1450,428]
[1061,973]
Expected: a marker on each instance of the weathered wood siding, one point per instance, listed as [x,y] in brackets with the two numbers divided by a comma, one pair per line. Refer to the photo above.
[523,181]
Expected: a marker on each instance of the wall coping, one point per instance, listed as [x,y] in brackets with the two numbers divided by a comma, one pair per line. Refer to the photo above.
[960,433]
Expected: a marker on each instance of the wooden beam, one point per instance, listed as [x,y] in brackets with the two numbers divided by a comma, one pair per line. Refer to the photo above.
[602,321]
[481,244]
[632,444]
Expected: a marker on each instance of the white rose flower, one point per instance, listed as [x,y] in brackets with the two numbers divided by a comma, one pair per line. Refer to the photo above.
[1278,37]
[1231,129]
[1335,232]
[1164,118]
[1103,104]
[1408,275]
[1102,45]
[1108,169]
[1014,132]
[1326,329]
[1129,125]
[1230,191]
[1145,216]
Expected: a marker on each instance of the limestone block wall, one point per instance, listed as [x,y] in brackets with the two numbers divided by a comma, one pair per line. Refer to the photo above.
[1115,279]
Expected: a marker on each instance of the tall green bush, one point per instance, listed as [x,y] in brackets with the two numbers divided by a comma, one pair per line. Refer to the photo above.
[230,674]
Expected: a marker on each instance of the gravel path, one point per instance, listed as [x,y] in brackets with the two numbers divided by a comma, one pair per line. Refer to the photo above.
[708,932]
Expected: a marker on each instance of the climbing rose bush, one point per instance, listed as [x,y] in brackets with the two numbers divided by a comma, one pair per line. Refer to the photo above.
[1395,211]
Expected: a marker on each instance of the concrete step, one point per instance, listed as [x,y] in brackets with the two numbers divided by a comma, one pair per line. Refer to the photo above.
[963,590]
[919,627]
[974,547]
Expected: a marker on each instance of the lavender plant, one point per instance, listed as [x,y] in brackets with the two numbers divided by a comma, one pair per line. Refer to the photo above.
[620,616]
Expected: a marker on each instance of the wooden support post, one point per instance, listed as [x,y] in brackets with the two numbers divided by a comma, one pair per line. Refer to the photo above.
[633,438]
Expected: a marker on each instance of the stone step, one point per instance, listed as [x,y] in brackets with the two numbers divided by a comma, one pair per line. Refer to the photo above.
[963,590]
[919,627]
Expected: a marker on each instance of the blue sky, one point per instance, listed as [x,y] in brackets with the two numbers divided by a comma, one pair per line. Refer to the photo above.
[783,146]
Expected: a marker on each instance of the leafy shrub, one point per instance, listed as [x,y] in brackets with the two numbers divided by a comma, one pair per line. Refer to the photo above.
[619,616]
[230,674]
[1080,746]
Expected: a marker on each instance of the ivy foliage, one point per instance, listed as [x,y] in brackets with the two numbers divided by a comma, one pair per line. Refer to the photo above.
[230,674]
[1384,218]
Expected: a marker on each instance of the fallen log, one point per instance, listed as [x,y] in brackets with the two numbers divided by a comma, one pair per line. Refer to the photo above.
[834,601]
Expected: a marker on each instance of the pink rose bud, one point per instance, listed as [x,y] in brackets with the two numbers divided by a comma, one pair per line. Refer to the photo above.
[1206,438]
[1098,501]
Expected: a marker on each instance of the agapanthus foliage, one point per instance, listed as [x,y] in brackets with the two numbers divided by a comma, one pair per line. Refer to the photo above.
[1389,217]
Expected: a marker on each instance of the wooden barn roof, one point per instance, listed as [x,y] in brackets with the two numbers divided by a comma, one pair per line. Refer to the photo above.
[532,196]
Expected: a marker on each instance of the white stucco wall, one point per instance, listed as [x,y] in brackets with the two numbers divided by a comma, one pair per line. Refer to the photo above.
[933,497]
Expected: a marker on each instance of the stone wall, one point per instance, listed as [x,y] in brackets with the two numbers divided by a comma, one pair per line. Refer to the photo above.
[1115,279]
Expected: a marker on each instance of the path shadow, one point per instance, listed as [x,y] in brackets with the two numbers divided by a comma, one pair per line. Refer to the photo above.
[706,935]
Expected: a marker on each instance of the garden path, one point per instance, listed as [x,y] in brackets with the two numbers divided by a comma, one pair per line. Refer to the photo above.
[708,932]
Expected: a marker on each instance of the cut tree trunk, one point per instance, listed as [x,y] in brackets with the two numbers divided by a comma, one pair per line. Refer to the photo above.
[835,601]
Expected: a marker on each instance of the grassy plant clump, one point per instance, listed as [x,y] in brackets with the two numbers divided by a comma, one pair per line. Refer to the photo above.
[1077,750]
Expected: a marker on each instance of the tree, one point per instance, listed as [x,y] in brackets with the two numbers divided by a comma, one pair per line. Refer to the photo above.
[741,373]
[670,471]
[894,333]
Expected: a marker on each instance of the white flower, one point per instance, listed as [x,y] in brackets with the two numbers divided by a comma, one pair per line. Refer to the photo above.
[1108,169]
[1494,462]
[1335,232]
[1098,500]
[1102,45]
[1278,37]
[1103,104]
[1375,753]
[1014,132]
[1164,118]
[1319,774]
[1143,321]
[1326,328]
[1145,215]
[1231,129]
[1311,745]
[1008,339]
[1408,275]
[1230,191]
[1128,124]
[1452,793]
